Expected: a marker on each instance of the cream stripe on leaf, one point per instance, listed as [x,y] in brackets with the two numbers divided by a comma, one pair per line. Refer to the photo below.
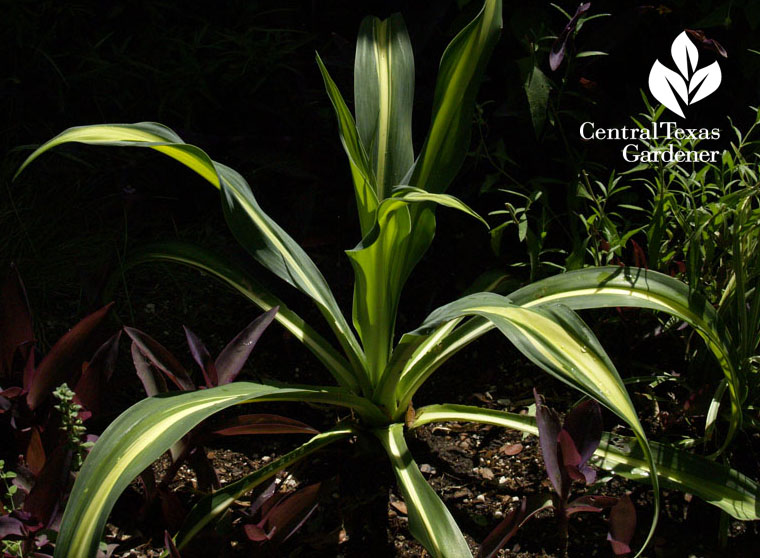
[198,258]
[145,431]
[461,69]
[429,520]
[260,235]
[611,286]
[721,486]
[557,340]
[383,98]
[213,505]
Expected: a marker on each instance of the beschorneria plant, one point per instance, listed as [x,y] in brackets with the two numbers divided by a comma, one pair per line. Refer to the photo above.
[397,193]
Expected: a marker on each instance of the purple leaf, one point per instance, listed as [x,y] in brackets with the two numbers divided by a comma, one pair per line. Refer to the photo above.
[152,380]
[91,386]
[10,526]
[35,452]
[590,503]
[571,460]
[204,470]
[50,485]
[30,369]
[548,434]
[147,480]
[622,526]
[65,358]
[231,360]
[709,44]
[557,53]
[290,513]
[500,536]
[161,358]
[173,511]
[170,546]
[15,320]
[504,531]
[110,548]
[255,533]
[262,424]
[262,498]
[202,357]
[584,424]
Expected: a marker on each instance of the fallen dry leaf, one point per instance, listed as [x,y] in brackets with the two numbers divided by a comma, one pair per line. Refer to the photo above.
[511,449]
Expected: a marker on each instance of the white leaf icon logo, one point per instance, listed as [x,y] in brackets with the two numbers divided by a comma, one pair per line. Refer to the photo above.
[681,50]
[705,81]
[662,83]
[665,83]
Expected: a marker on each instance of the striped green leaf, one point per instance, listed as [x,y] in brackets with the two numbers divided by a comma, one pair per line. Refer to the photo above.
[145,134]
[212,263]
[381,267]
[258,233]
[279,253]
[411,194]
[611,286]
[380,271]
[462,67]
[145,431]
[427,354]
[383,97]
[365,187]
[721,486]
[556,340]
[429,520]
[212,506]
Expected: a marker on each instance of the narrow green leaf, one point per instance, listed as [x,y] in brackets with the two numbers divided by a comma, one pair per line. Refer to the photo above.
[258,233]
[381,269]
[605,287]
[383,97]
[212,506]
[556,340]
[462,67]
[537,88]
[144,134]
[278,252]
[365,186]
[146,430]
[410,194]
[587,53]
[721,486]
[218,267]
[429,520]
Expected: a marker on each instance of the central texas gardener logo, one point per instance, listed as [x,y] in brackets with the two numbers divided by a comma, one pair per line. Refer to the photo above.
[689,83]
